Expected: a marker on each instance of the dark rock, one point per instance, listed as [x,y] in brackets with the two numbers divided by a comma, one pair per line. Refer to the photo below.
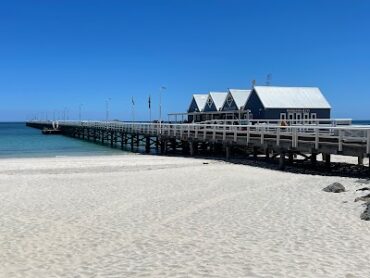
[363,189]
[366,214]
[335,188]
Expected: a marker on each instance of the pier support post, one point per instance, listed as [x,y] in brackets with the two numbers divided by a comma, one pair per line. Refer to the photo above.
[193,148]
[173,145]
[102,137]
[157,143]
[132,142]
[163,146]
[147,144]
[227,152]
[185,147]
[137,140]
[360,160]
[255,152]
[327,159]
[282,161]
[313,159]
[111,139]
[291,158]
[122,141]
[267,154]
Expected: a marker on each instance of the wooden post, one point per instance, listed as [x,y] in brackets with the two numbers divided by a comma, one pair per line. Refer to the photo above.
[227,152]
[147,144]
[111,139]
[314,159]
[163,146]
[255,152]
[327,159]
[132,141]
[185,147]
[267,154]
[191,148]
[360,160]
[173,145]
[122,141]
[102,137]
[291,158]
[282,160]
[157,143]
[137,140]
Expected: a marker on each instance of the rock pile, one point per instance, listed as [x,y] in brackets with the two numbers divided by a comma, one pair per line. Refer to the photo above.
[335,188]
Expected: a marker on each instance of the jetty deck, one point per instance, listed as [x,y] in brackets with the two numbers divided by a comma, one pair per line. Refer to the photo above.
[272,140]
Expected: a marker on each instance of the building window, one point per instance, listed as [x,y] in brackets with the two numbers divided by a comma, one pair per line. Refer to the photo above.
[209,102]
[313,118]
[306,118]
[229,100]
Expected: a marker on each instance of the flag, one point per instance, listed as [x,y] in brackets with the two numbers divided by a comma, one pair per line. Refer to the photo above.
[132,99]
[149,102]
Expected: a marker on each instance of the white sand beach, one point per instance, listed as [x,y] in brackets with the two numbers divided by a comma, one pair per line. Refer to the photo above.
[152,216]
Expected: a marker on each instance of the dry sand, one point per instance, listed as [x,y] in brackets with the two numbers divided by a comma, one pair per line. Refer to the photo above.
[148,216]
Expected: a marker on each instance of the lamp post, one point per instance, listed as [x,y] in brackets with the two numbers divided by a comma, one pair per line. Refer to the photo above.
[160,107]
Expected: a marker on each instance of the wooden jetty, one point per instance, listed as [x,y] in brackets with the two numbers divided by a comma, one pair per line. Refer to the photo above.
[272,140]
[50,131]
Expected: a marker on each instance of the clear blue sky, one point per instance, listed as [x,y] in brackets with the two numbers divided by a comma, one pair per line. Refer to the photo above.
[56,54]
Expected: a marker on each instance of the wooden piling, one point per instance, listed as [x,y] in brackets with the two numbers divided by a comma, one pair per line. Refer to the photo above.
[291,158]
[267,154]
[122,141]
[313,159]
[327,159]
[282,160]
[255,152]
[227,152]
[147,144]
[111,139]
[360,160]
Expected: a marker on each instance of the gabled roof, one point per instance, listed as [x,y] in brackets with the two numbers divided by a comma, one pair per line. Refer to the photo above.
[291,97]
[240,96]
[200,100]
[218,99]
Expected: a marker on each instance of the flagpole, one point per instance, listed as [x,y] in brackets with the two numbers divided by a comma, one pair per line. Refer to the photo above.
[150,109]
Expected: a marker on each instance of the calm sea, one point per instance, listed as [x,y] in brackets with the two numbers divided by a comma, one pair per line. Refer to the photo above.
[17,140]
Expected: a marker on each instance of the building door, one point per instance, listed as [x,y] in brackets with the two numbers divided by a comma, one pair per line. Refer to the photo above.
[313,118]
[291,118]
[306,118]
[298,117]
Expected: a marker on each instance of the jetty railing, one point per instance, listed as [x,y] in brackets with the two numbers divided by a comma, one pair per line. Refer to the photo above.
[337,136]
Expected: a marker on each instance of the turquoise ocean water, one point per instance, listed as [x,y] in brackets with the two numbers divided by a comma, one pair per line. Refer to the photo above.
[17,140]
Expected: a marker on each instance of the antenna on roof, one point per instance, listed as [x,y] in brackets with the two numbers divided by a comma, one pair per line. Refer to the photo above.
[268,79]
[253,83]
